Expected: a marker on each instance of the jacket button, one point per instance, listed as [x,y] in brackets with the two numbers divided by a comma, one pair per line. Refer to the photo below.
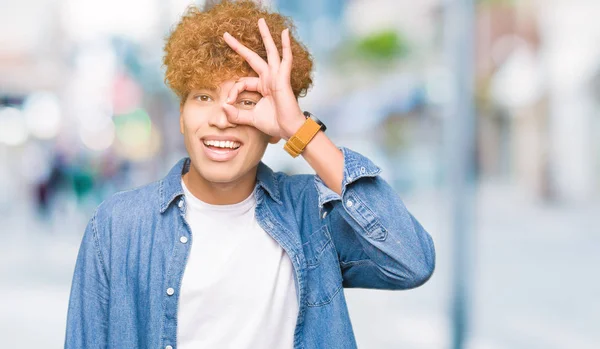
[183,239]
[324,214]
[349,203]
[170,291]
[180,203]
[168,347]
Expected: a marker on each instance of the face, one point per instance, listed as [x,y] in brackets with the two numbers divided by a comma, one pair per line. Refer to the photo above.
[221,152]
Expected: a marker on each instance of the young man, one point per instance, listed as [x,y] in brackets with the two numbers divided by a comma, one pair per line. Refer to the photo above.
[223,252]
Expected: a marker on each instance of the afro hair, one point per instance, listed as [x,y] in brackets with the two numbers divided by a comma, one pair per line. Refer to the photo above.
[197,56]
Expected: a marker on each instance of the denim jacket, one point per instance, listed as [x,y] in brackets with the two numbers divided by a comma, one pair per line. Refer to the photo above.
[128,273]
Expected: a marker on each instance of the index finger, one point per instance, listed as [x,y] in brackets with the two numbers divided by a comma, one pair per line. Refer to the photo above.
[255,61]
[243,84]
[272,52]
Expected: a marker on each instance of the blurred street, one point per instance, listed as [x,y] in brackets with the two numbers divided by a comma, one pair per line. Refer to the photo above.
[525,295]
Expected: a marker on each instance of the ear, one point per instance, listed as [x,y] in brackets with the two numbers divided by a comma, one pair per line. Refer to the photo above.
[274,139]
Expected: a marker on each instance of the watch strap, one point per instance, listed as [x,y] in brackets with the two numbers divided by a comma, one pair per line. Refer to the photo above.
[312,116]
[296,144]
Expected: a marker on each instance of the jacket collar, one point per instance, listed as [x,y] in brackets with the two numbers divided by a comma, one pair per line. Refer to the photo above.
[170,186]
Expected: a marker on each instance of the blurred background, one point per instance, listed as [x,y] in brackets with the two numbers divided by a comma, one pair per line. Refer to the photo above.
[484,116]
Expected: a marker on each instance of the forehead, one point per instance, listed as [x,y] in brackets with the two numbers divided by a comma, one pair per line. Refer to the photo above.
[223,87]
[216,79]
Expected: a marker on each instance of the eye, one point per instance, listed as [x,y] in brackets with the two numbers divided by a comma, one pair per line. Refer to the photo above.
[246,104]
[203,98]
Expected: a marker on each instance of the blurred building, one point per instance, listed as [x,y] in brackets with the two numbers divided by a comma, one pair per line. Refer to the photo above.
[538,120]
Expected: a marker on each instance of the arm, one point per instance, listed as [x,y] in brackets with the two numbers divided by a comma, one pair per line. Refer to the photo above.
[380,244]
[394,249]
[397,251]
[87,319]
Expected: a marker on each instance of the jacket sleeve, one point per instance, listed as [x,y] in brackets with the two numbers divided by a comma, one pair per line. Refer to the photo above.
[87,318]
[379,243]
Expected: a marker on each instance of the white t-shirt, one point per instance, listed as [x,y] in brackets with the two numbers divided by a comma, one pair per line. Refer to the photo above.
[238,287]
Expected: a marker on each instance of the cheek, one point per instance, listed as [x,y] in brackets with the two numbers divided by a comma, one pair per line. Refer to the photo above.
[259,140]
[192,121]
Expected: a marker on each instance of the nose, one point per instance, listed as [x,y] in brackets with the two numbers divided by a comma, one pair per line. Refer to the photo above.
[219,119]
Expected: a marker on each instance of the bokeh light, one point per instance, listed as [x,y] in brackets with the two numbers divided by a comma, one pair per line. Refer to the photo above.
[100,138]
[13,130]
[133,129]
[137,139]
[43,115]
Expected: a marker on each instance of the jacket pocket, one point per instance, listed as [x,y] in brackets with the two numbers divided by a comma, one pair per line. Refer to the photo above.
[324,276]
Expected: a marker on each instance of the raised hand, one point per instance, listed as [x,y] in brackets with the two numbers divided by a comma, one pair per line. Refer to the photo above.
[277,113]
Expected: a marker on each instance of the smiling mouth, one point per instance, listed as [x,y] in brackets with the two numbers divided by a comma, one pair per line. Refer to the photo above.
[221,151]
[222,146]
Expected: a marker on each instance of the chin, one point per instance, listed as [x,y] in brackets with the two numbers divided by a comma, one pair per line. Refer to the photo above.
[220,175]
[222,179]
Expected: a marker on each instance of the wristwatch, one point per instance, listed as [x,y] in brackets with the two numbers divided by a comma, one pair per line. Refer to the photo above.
[312,116]
[296,144]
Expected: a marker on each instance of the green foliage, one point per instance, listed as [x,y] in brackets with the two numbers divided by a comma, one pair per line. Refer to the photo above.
[383,45]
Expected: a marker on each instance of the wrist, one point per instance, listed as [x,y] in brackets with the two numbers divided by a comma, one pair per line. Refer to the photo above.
[293,126]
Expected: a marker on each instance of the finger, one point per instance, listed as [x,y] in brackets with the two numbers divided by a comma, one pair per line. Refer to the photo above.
[243,84]
[237,116]
[286,48]
[272,52]
[255,61]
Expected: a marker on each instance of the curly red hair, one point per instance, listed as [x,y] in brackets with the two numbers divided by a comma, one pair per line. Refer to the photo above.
[196,56]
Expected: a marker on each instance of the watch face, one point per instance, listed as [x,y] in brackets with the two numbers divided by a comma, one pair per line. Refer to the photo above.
[310,115]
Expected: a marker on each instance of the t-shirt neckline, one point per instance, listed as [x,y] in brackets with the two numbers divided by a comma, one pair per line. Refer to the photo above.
[240,207]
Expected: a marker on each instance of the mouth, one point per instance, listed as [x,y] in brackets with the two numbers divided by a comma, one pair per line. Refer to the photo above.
[221,150]
[222,145]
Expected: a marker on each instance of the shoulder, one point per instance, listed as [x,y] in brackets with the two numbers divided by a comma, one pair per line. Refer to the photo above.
[121,217]
[126,204]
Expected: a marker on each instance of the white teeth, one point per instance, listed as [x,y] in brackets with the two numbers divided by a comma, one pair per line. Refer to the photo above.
[222,144]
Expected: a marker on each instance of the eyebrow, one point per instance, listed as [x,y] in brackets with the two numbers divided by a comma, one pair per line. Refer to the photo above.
[218,89]
[207,89]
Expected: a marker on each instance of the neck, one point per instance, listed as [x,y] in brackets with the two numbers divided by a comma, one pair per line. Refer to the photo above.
[220,193]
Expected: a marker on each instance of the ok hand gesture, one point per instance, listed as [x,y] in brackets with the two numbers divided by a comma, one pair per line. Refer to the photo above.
[277,113]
